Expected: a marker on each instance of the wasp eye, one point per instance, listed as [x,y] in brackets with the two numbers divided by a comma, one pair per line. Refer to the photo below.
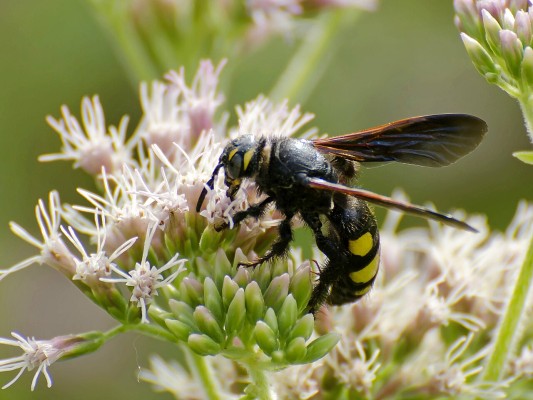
[233,169]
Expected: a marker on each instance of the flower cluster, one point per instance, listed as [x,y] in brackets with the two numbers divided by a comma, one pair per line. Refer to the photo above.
[425,329]
[156,35]
[498,36]
[157,265]
[139,250]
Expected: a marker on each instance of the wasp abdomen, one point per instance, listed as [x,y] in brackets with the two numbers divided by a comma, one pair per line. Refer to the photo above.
[355,264]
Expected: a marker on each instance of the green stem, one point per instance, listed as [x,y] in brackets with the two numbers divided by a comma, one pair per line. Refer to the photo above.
[205,375]
[508,330]
[114,15]
[526,105]
[258,387]
[307,65]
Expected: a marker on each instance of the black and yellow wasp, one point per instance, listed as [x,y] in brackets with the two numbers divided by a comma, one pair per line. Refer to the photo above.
[308,178]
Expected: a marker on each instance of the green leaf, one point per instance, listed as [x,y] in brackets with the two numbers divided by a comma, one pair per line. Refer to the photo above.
[318,348]
[524,156]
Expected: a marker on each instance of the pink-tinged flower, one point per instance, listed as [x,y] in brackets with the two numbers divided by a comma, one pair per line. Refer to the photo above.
[145,279]
[37,354]
[99,264]
[91,145]
[52,249]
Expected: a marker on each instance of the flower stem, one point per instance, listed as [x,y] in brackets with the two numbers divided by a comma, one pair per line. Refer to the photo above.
[526,105]
[258,388]
[205,375]
[135,59]
[309,62]
[506,337]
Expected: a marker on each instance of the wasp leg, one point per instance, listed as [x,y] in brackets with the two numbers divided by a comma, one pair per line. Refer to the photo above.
[280,246]
[328,273]
[254,211]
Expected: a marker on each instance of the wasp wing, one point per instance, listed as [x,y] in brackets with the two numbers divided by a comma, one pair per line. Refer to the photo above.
[431,140]
[388,202]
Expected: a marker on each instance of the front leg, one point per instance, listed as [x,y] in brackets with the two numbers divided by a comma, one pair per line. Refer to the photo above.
[254,211]
[280,246]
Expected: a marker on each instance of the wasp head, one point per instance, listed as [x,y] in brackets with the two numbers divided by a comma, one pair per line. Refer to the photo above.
[239,160]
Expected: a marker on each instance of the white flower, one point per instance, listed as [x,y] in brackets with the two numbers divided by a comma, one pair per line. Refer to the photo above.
[453,376]
[298,382]
[201,99]
[52,249]
[170,376]
[351,365]
[263,117]
[440,308]
[38,354]
[146,279]
[91,146]
[175,113]
[522,364]
[95,265]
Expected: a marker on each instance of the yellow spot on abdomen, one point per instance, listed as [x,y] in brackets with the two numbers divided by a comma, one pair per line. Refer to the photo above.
[362,245]
[363,291]
[367,273]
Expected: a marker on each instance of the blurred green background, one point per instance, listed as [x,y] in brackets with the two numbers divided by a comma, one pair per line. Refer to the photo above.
[405,59]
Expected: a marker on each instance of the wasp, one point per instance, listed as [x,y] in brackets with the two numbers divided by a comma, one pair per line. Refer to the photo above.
[312,179]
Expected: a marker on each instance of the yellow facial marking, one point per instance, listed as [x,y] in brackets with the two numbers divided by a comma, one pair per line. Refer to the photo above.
[367,273]
[247,157]
[362,245]
[232,153]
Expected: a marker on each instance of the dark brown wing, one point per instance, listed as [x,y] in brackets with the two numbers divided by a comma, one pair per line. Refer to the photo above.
[388,202]
[431,140]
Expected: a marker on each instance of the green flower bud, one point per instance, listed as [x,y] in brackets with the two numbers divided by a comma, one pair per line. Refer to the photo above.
[178,328]
[277,291]
[262,274]
[213,300]
[296,350]
[522,27]
[318,348]
[242,277]
[158,315]
[229,288]
[301,287]
[203,345]
[208,324]
[271,320]
[223,268]
[210,240]
[468,17]
[526,68]
[492,31]
[183,312]
[512,50]
[479,56]
[303,327]
[236,313]
[287,315]
[255,304]
[191,291]
[265,337]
